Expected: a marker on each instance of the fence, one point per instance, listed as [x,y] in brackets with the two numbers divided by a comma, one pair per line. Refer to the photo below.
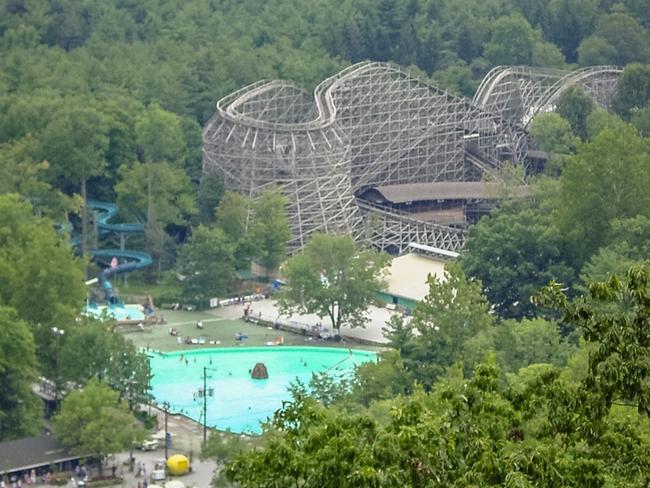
[314,330]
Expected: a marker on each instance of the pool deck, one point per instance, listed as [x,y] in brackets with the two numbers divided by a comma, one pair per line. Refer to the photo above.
[371,333]
[221,326]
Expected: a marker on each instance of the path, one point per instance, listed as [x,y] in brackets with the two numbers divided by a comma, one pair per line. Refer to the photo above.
[187,437]
[372,332]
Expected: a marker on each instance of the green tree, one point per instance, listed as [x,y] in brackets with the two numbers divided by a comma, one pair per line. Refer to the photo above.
[75,144]
[456,79]
[547,55]
[623,32]
[121,113]
[159,136]
[163,196]
[156,186]
[383,380]
[94,421]
[619,368]
[531,341]
[232,216]
[270,231]
[309,444]
[453,312]
[569,21]
[628,244]
[332,277]
[575,105]
[641,120]
[20,173]
[514,252]
[594,50]
[159,190]
[600,119]
[208,264]
[41,278]
[633,90]
[606,180]
[512,41]
[20,409]
[211,190]
[91,350]
[466,432]
[553,133]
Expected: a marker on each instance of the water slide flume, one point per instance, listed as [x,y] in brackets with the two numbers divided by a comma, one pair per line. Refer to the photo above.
[120,261]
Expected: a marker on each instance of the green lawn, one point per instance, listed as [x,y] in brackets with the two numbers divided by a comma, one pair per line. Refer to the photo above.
[136,286]
[216,329]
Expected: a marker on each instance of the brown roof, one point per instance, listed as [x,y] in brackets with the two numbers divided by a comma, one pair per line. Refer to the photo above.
[467,190]
[32,452]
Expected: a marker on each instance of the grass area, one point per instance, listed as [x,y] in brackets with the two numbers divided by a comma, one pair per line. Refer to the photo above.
[136,286]
[219,329]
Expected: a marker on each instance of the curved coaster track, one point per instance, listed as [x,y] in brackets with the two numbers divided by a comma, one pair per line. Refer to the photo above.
[374,124]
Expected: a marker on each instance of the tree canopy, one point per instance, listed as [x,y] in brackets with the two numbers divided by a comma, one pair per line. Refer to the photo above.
[19,407]
[270,231]
[207,262]
[42,279]
[93,421]
[334,278]
[606,180]
[514,252]
[543,426]
[92,350]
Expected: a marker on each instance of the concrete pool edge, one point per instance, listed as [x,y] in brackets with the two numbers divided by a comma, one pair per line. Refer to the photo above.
[274,349]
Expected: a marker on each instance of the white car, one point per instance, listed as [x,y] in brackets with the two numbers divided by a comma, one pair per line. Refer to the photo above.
[158,471]
[149,445]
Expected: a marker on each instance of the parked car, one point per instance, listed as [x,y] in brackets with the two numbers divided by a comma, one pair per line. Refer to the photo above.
[149,445]
[158,472]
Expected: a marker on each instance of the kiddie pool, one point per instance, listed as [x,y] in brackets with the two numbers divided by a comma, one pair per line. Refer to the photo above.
[236,402]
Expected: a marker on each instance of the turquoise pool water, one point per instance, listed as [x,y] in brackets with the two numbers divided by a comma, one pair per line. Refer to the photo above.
[240,403]
[127,312]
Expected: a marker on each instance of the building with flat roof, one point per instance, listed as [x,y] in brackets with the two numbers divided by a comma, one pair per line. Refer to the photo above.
[408,274]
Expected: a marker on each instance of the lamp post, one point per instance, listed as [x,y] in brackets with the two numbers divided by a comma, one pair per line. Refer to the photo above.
[205,392]
[58,333]
[166,410]
[205,404]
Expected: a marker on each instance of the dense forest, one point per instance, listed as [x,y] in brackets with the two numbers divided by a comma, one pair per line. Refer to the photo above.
[106,100]
[85,85]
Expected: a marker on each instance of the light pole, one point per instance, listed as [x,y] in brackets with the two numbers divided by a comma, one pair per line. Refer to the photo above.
[166,410]
[205,394]
[205,404]
[58,333]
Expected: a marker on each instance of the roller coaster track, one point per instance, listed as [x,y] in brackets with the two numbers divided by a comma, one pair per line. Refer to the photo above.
[544,87]
[375,124]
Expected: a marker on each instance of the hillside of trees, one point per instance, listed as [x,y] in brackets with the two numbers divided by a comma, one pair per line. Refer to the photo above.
[492,382]
[96,95]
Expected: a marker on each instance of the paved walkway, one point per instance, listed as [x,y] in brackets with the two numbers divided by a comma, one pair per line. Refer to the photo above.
[187,437]
[372,332]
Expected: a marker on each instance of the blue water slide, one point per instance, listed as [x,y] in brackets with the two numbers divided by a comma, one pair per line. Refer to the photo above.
[127,260]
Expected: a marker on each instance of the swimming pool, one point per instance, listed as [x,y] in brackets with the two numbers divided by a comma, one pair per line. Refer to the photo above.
[130,312]
[240,403]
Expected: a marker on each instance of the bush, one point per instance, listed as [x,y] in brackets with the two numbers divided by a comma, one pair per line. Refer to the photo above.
[149,421]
